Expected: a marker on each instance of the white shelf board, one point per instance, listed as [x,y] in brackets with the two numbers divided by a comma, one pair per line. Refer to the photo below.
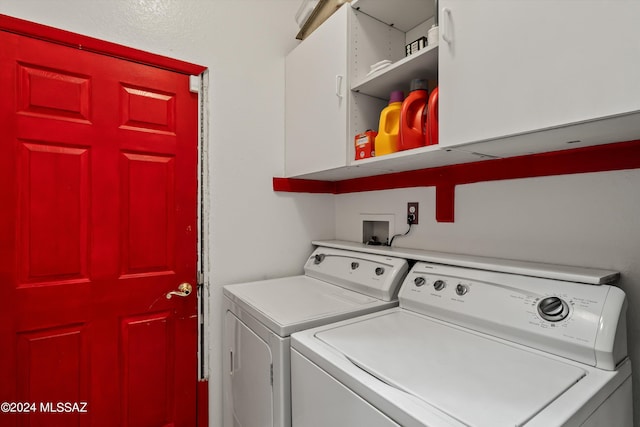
[586,275]
[624,127]
[402,14]
[397,76]
[419,158]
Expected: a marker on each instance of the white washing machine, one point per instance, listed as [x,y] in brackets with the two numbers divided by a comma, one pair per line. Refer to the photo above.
[469,347]
[261,316]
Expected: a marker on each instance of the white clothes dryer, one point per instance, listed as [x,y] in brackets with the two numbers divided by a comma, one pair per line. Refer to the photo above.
[260,317]
[474,348]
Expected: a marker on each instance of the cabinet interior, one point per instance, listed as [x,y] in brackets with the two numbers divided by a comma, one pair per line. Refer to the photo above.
[384,38]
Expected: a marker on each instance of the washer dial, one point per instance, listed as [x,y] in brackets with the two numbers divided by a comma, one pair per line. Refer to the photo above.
[419,281]
[553,309]
[462,289]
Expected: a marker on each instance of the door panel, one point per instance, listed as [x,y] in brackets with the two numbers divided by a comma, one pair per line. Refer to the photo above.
[56,356]
[144,108]
[98,160]
[55,93]
[146,343]
[55,190]
[148,238]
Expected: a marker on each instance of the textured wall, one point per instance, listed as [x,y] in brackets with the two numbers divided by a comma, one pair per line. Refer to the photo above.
[254,232]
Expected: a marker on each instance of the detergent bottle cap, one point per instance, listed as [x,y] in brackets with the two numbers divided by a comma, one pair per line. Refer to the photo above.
[396,96]
[418,84]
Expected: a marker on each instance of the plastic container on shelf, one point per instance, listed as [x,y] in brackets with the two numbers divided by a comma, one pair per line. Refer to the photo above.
[412,116]
[389,128]
[432,35]
[431,134]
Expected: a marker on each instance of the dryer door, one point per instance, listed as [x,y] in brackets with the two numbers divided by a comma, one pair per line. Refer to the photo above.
[248,392]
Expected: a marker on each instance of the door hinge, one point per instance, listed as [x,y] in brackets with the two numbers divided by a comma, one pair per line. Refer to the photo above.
[194,84]
[200,278]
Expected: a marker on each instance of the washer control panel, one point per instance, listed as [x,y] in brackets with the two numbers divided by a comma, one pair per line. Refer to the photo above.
[564,318]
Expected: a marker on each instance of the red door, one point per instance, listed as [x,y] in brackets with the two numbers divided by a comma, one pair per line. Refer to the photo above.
[98,160]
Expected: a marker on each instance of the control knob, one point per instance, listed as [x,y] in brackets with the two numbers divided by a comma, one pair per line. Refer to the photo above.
[461,289]
[439,285]
[553,309]
[419,281]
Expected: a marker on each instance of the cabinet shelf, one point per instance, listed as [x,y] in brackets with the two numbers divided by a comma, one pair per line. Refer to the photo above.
[402,161]
[403,15]
[397,76]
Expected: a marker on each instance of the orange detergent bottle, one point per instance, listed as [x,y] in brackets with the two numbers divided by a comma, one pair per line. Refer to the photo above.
[413,117]
[431,136]
[389,128]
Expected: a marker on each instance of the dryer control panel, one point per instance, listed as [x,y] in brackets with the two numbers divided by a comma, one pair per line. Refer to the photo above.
[378,276]
[582,322]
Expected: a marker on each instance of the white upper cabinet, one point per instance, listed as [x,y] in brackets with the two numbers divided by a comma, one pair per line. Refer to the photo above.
[514,77]
[316,97]
[526,76]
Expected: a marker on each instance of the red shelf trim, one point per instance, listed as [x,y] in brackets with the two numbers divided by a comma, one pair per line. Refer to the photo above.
[600,158]
[90,44]
[445,202]
[294,185]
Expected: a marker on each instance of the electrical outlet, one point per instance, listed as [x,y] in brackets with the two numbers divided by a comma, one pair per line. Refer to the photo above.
[412,213]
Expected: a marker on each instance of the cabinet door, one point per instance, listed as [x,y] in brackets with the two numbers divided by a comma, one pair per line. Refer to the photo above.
[513,67]
[316,99]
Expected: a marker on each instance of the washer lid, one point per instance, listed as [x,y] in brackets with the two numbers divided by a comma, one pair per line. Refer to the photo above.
[294,303]
[474,379]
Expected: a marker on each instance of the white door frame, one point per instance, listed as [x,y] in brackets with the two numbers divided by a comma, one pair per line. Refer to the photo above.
[200,85]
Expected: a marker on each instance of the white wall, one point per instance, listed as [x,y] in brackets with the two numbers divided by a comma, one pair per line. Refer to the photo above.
[255,233]
[589,220]
[585,220]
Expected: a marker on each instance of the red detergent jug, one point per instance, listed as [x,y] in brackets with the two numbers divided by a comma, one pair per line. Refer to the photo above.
[431,134]
[412,117]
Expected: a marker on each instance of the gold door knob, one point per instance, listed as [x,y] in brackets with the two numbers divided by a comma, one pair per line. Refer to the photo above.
[184,289]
